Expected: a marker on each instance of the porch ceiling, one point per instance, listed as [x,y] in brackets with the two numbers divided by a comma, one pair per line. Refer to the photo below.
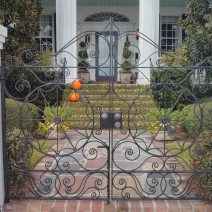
[108,2]
[164,3]
[174,3]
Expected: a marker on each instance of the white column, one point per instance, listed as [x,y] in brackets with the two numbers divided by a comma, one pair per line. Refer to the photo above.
[3,35]
[66,27]
[149,26]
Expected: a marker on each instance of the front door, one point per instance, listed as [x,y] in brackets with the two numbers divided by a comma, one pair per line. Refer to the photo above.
[103,59]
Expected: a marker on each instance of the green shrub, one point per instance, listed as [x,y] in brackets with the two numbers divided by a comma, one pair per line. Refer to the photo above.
[126,53]
[197,119]
[83,67]
[55,118]
[202,91]
[19,115]
[62,111]
[156,116]
[83,54]
[17,155]
[170,83]
[203,161]
[34,84]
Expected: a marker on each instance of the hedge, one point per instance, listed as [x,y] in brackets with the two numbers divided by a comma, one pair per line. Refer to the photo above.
[197,118]
[35,84]
[19,115]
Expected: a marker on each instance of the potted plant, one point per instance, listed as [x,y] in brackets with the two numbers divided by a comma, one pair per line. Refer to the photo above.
[125,73]
[83,73]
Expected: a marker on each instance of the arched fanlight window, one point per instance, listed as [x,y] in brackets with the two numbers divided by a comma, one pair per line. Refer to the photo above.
[103,16]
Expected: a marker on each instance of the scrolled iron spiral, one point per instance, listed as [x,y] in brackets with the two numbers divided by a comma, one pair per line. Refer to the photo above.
[126,195]
[155,166]
[98,132]
[131,152]
[98,183]
[22,85]
[48,165]
[123,182]
[95,194]
[27,57]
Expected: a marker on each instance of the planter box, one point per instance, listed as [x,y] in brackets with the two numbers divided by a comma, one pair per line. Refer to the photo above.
[84,77]
[125,78]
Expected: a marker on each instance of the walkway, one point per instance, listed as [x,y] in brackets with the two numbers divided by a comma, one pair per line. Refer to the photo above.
[101,206]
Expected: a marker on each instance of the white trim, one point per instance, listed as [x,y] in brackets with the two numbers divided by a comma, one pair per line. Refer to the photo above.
[3,35]
[66,22]
[150,28]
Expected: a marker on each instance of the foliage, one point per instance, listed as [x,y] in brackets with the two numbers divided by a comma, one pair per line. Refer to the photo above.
[171,82]
[19,85]
[203,160]
[126,53]
[17,155]
[155,119]
[39,149]
[126,65]
[198,28]
[126,43]
[44,58]
[197,118]
[83,54]
[21,18]
[62,113]
[82,44]
[20,115]
[177,58]
[83,67]
[183,156]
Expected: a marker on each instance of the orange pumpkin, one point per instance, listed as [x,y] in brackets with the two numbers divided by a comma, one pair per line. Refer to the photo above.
[73,97]
[76,84]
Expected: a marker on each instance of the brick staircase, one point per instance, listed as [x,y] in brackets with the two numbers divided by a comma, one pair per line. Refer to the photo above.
[134,101]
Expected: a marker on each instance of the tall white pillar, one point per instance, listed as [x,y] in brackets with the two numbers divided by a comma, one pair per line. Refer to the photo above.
[149,26]
[3,35]
[66,27]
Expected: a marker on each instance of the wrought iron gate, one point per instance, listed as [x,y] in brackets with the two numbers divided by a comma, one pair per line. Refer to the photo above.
[119,141]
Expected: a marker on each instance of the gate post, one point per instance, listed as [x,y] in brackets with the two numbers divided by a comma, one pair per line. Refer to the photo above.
[3,196]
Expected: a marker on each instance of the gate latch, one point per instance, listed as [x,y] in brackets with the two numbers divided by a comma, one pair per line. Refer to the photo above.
[110,120]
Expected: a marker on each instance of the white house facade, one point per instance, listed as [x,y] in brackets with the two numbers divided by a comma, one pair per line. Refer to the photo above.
[62,20]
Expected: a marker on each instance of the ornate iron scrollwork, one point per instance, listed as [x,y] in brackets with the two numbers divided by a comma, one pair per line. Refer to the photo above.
[118,141]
